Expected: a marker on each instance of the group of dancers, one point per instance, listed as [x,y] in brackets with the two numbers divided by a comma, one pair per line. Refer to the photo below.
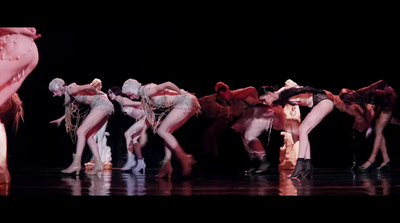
[165,107]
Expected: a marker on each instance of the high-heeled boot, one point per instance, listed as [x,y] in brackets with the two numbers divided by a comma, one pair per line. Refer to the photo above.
[187,162]
[74,167]
[98,168]
[130,162]
[140,167]
[298,169]
[166,169]
[308,168]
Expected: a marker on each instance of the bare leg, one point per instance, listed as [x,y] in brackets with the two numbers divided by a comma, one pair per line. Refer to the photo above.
[88,127]
[175,119]
[132,145]
[166,168]
[379,142]
[313,118]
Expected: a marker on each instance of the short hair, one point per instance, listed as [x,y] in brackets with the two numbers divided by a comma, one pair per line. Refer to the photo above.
[116,90]
[221,86]
[265,89]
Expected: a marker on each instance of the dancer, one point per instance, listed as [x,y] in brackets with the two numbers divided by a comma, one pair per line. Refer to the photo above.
[176,106]
[262,117]
[321,105]
[100,111]
[378,101]
[224,107]
[18,58]
[135,136]
[359,128]
[100,136]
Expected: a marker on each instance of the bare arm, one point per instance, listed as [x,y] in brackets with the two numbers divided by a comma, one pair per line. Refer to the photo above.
[248,94]
[164,86]
[58,121]
[371,88]
[76,89]
[130,103]
[243,93]
[212,109]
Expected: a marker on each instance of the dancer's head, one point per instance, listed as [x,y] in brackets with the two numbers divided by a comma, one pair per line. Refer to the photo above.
[131,88]
[347,96]
[113,92]
[57,86]
[268,94]
[223,91]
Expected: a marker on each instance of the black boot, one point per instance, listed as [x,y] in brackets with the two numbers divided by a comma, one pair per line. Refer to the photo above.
[264,164]
[298,169]
[308,168]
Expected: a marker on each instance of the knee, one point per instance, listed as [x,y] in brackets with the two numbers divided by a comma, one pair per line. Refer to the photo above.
[249,138]
[303,131]
[162,132]
[91,141]
[127,135]
[81,133]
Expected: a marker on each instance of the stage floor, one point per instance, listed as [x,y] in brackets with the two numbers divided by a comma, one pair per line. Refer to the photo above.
[325,182]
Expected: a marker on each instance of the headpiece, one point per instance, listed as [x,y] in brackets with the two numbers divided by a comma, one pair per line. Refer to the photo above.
[56,84]
[220,85]
[131,86]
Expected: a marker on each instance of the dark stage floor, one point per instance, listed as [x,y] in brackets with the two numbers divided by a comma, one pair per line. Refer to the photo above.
[325,182]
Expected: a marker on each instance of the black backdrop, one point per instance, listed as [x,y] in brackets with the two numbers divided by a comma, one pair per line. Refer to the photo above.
[195,58]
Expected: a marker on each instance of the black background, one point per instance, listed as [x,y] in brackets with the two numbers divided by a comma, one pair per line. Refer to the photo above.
[327,56]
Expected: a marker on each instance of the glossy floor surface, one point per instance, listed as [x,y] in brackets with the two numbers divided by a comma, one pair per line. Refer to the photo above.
[325,182]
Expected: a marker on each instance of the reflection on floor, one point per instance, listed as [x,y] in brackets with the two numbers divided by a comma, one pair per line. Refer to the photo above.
[331,182]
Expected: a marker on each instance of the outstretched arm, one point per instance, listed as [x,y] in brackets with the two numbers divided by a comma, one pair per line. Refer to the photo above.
[212,109]
[76,89]
[249,94]
[58,121]
[371,88]
[130,103]
[164,86]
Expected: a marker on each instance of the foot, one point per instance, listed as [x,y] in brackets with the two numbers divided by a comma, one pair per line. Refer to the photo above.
[71,169]
[140,167]
[384,163]
[367,164]
[166,170]
[130,163]
[98,169]
[187,165]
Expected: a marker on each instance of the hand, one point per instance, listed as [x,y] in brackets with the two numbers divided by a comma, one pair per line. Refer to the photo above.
[73,85]
[387,89]
[58,122]
[369,106]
